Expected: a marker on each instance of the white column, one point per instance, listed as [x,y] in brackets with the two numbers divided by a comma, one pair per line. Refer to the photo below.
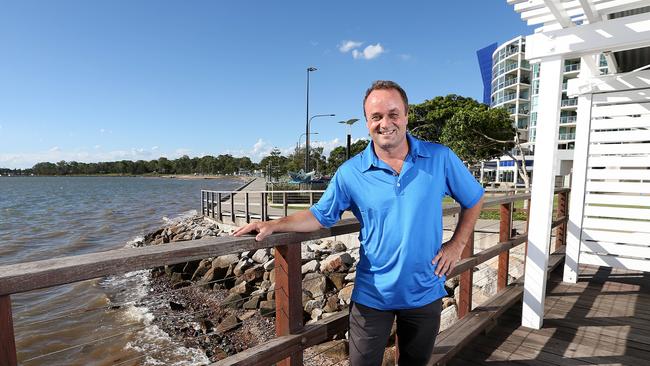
[588,69]
[539,232]
[482,172]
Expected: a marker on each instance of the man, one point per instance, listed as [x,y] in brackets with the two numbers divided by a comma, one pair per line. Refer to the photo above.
[395,188]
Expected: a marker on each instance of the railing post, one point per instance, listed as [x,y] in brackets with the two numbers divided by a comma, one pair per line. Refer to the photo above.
[248,215]
[265,204]
[527,226]
[311,198]
[562,211]
[232,207]
[285,204]
[505,214]
[204,197]
[219,212]
[466,279]
[7,341]
[288,296]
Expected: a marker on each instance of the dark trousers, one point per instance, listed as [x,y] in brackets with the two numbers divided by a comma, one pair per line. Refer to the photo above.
[416,331]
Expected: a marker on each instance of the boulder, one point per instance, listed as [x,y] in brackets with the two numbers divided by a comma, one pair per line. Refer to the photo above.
[267,308]
[447,302]
[332,304]
[268,266]
[243,265]
[254,273]
[228,323]
[315,283]
[232,301]
[311,266]
[252,303]
[338,262]
[338,247]
[202,269]
[346,294]
[225,261]
[261,255]
[243,288]
[338,279]
[448,316]
[313,304]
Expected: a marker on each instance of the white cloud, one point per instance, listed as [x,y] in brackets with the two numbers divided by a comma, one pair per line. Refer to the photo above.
[98,146]
[154,148]
[101,130]
[368,53]
[405,56]
[55,149]
[347,46]
[27,160]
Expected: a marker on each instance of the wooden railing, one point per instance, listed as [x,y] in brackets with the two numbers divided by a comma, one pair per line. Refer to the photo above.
[292,337]
[254,205]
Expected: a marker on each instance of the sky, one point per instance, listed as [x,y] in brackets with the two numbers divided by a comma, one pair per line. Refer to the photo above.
[112,80]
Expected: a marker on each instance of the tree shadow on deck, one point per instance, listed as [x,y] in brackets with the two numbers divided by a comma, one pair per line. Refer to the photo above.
[603,319]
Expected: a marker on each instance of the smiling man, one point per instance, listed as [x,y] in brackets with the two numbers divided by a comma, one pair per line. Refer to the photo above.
[395,188]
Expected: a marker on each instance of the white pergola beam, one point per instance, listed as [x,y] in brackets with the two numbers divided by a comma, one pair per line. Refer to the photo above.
[539,234]
[611,35]
[556,8]
[577,203]
[608,83]
[590,11]
[612,65]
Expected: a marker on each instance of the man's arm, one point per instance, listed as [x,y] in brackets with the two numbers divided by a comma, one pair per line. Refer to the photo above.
[451,251]
[302,221]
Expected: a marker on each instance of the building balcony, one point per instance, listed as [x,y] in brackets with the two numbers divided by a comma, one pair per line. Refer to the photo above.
[567,136]
[572,68]
[568,120]
[569,102]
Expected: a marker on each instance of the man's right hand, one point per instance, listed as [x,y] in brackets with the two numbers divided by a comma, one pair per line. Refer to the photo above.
[263,228]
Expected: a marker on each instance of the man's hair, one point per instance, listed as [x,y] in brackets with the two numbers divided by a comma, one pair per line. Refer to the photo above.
[386,85]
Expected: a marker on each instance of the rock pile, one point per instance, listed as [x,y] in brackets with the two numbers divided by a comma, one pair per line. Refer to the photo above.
[246,280]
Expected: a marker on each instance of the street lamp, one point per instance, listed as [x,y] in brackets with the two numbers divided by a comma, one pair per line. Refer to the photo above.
[307,139]
[300,138]
[349,122]
[309,69]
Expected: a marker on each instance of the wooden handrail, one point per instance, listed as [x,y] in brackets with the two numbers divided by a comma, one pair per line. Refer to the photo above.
[22,277]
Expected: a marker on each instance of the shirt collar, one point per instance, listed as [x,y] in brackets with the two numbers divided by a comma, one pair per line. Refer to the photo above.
[369,158]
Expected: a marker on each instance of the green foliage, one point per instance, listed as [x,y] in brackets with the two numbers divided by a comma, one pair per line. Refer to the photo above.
[337,155]
[463,124]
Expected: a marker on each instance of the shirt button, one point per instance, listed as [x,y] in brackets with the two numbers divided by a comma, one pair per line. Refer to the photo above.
[398,184]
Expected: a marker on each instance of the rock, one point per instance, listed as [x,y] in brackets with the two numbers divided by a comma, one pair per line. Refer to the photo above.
[246,254]
[229,323]
[447,302]
[252,303]
[253,274]
[338,279]
[313,304]
[309,267]
[201,270]
[243,288]
[345,294]
[332,304]
[308,256]
[242,266]
[338,262]
[448,316]
[206,326]
[271,294]
[351,276]
[267,308]
[316,314]
[315,283]
[269,265]
[213,274]
[338,247]
[261,255]
[247,315]
[306,296]
[225,261]
[233,301]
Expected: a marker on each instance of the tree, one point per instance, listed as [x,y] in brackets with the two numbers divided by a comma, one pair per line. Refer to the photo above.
[337,155]
[474,131]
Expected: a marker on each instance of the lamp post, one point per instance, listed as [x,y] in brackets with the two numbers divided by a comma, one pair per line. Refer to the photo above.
[307,138]
[300,138]
[349,123]
[309,69]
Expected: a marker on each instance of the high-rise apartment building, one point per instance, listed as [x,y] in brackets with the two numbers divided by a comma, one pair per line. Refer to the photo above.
[515,87]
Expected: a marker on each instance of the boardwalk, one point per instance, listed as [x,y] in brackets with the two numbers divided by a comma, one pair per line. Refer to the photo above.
[604,319]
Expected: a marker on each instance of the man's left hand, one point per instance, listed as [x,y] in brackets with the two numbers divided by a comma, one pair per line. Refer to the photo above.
[447,257]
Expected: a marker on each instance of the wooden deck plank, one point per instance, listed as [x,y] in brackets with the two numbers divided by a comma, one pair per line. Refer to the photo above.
[603,319]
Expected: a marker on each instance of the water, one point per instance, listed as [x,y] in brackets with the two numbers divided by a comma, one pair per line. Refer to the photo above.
[48,217]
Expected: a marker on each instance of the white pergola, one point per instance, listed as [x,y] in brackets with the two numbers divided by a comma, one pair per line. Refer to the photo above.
[586,29]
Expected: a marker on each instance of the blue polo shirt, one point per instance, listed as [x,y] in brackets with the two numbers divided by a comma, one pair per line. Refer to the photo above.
[401,220]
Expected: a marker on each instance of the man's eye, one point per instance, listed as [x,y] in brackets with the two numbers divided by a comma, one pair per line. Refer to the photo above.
[393,115]
[376,118]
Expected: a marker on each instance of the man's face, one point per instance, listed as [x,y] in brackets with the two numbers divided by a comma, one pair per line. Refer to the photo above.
[386,118]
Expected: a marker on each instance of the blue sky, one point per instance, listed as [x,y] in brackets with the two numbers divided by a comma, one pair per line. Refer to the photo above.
[111,80]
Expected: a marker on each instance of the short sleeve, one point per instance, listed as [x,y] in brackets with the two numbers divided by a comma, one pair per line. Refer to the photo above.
[335,200]
[461,184]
